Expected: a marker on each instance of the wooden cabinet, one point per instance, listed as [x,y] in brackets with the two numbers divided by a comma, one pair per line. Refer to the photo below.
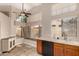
[39,46]
[71,50]
[65,50]
[45,47]
[58,49]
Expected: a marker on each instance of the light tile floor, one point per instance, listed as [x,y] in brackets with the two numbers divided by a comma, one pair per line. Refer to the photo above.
[22,50]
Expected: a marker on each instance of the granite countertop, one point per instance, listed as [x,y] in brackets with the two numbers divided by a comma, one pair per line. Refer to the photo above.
[75,43]
[62,41]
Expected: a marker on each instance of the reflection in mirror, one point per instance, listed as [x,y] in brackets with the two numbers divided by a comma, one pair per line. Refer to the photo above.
[69,28]
[18,31]
[56,29]
[36,31]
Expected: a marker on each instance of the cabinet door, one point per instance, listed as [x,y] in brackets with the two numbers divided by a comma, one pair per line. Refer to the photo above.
[10,44]
[58,49]
[71,50]
[39,46]
[13,42]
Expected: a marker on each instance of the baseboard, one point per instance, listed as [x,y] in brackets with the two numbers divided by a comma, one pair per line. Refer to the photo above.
[30,42]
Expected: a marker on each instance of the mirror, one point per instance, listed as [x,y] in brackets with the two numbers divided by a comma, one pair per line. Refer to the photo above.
[36,31]
[69,28]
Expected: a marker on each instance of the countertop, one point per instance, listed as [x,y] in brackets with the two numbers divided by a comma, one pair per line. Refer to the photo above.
[75,43]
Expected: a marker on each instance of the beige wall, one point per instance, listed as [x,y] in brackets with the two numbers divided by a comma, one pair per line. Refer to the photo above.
[5,26]
[35,17]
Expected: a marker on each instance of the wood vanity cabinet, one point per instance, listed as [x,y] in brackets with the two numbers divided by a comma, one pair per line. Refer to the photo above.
[65,50]
[45,48]
[39,46]
[58,49]
[70,50]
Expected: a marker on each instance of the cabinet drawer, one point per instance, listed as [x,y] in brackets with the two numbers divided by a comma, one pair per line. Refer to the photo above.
[10,44]
[13,42]
[70,50]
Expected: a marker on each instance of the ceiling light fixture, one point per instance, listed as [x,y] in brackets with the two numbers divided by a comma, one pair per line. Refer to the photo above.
[23,15]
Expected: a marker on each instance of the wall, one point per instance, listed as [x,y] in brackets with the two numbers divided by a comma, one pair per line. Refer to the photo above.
[35,19]
[4,27]
[0,37]
[46,22]
[13,26]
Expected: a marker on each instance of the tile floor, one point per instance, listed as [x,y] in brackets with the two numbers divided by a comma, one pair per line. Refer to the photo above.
[22,50]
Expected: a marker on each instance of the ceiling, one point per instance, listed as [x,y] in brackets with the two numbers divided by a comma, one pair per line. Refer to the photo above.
[15,7]
[27,6]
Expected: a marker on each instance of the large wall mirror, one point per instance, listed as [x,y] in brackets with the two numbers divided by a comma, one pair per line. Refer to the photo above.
[69,28]
[66,28]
